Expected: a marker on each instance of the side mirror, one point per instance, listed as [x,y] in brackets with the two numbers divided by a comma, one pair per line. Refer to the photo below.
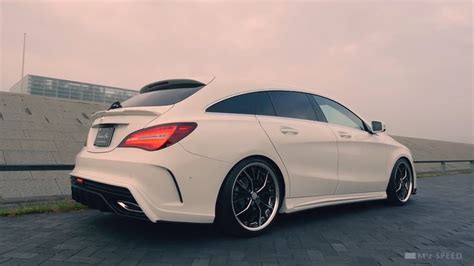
[378,127]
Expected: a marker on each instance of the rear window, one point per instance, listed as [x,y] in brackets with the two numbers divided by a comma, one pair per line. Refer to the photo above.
[160,97]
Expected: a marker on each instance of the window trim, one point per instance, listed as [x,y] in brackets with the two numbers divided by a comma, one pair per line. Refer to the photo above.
[314,104]
[271,103]
[317,109]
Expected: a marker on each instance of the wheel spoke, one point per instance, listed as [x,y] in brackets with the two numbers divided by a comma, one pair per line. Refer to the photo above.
[264,183]
[405,175]
[266,205]
[266,192]
[252,173]
[398,172]
[242,185]
[259,215]
[399,187]
[249,178]
[240,196]
[246,208]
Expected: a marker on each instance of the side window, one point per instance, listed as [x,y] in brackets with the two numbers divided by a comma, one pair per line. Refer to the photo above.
[338,114]
[250,103]
[292,104]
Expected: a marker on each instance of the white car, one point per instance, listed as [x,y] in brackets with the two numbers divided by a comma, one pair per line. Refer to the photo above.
[186,151]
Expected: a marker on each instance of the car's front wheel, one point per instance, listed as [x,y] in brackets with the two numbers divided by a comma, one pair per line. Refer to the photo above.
[249,198]
[400,186]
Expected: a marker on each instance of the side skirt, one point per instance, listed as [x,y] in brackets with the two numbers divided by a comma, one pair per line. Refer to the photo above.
[299,204]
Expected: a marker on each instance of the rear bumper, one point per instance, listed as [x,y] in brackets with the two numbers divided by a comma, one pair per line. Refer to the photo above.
[166,185]
[105,198]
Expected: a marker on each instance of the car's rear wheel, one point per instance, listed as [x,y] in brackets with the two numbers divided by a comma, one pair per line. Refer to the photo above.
[400,186]
[249,199]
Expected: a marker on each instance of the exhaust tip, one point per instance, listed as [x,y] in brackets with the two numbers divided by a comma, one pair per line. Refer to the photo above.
[129,206]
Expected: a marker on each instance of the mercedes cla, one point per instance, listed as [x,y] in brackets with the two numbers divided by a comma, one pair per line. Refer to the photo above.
[186,151]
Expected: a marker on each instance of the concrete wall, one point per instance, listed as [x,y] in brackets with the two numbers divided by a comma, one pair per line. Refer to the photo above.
[426,149]
[41,130]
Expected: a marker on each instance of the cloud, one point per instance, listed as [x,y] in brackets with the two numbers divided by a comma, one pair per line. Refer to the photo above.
[408,63]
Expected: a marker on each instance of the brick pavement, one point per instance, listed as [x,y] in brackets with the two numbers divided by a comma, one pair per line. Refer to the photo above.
[438,224]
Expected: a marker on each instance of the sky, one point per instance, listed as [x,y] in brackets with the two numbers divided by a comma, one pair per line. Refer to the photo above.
[407,63]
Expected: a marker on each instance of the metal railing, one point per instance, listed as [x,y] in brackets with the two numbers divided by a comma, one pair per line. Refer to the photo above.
[35,167]
[444,162]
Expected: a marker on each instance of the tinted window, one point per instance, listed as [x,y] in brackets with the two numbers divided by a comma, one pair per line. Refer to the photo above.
[338,114]
[292,104]
[250,103]
[160,98]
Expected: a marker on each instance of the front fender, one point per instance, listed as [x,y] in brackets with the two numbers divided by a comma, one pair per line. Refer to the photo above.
[398,153]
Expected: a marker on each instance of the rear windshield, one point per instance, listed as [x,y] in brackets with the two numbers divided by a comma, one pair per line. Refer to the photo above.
[160,97]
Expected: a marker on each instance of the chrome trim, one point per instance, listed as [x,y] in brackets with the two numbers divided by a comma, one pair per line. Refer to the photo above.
[125,205]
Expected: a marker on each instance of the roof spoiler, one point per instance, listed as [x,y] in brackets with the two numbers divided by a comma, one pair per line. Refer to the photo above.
[118,112]
[171,84]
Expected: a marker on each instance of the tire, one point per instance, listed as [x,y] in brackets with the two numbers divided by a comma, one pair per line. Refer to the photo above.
[249,198]
[400,186]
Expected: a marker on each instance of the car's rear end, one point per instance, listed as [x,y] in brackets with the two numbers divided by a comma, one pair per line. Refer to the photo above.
[133,165]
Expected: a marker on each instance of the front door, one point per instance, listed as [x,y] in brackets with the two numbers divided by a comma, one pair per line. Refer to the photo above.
[362,156]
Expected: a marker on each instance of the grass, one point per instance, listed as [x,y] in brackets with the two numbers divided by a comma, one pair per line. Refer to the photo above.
[53,206]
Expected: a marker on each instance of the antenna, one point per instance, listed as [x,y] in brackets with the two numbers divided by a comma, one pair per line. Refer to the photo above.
[23,62]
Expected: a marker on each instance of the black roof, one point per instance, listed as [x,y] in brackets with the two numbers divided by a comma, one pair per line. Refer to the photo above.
[171,84]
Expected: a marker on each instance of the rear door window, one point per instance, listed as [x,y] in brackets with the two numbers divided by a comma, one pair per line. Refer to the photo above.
[160,97]
[255,103]
[292,105]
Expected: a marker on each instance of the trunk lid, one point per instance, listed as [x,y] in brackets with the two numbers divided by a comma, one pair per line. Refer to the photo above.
[124,121]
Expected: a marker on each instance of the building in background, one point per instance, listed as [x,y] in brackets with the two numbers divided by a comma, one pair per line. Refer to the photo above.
[71,90]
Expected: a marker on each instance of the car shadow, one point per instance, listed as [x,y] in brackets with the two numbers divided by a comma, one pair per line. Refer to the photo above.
[175,233]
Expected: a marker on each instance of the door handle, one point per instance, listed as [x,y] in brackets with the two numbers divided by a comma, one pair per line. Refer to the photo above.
[288,131]
[345,135]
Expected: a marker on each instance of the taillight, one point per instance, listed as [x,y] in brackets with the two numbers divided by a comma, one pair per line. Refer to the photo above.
[158,137]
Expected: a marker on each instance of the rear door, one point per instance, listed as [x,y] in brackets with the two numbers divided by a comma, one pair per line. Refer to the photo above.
[306,145]
[363,156]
